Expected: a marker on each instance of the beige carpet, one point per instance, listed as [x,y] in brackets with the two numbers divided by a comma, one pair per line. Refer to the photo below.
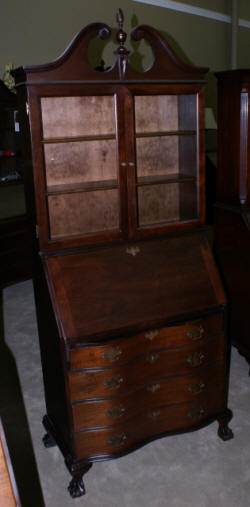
[188,470]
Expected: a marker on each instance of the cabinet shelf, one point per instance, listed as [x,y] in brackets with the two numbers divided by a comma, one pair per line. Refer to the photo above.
[75,139]
[160,179]
[166,133]
[90,186]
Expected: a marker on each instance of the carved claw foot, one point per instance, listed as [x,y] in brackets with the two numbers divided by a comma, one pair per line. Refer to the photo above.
[76,487]
[224,432]
[48,440]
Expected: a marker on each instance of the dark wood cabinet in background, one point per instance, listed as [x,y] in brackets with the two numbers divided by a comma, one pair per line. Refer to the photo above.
[131,309]
[15,257]
[232,210]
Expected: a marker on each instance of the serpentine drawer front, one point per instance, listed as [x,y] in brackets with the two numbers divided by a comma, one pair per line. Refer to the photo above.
[122,350]
[152,422]
[152,364]
[118,408]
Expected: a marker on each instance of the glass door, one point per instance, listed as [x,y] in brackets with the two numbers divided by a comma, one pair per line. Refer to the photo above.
[81,168]
[166,159]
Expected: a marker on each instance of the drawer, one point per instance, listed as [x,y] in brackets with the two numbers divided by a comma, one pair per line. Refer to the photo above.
[122,350]
[147,426]
[146,368]
[94,414]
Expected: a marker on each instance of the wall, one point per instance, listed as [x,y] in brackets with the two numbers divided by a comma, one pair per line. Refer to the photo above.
[34,32]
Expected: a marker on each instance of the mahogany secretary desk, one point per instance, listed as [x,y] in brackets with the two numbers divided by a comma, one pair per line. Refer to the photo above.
[131,310]
[232,209]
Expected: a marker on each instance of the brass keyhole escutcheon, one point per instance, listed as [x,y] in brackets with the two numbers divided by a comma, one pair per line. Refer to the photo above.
[133,250]
[153,388]
[150,335]
[152,358]
[154,413]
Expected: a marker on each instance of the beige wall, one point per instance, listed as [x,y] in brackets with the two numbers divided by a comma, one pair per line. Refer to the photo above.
[34,32]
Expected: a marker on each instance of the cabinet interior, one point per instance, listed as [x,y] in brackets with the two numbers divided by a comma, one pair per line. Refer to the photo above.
[82,167]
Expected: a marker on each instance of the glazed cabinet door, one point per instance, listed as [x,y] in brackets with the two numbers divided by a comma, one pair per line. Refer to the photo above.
[168,172]
[78,151]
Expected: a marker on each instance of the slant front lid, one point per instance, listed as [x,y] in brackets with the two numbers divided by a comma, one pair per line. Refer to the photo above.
[117,288]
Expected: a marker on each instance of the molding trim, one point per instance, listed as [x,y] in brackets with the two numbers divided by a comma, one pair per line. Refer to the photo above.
[195,11]
[244,23]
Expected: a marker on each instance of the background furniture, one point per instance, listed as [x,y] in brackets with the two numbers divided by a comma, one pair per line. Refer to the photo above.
[8,489]
[232,212]
[131,310]
[15,260]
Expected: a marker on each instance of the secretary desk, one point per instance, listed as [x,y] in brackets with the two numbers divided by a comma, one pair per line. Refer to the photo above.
[130,306]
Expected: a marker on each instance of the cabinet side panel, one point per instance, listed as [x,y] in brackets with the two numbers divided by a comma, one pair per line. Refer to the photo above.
[53,362]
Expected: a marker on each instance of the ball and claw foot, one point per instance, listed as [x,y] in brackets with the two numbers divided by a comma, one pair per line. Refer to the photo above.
[224,432]
[76,487]
[48,441]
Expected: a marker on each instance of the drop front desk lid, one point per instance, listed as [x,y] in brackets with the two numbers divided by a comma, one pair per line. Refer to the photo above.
[107,291]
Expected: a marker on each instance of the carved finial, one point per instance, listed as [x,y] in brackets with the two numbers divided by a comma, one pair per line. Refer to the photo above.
[120,18]
[121,35]
[121,52]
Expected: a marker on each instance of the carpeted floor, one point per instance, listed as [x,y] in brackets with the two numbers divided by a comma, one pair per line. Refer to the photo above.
[189,470]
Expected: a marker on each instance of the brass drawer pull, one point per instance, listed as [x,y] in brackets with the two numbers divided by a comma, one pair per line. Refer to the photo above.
[196,359]
[112,354]
[196,334]
[196,414]
[133,250]
[196,388]
[154,413]
[152,358]
[115,412]
[117,440]
[113,383]
[153,388]
[150,335]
